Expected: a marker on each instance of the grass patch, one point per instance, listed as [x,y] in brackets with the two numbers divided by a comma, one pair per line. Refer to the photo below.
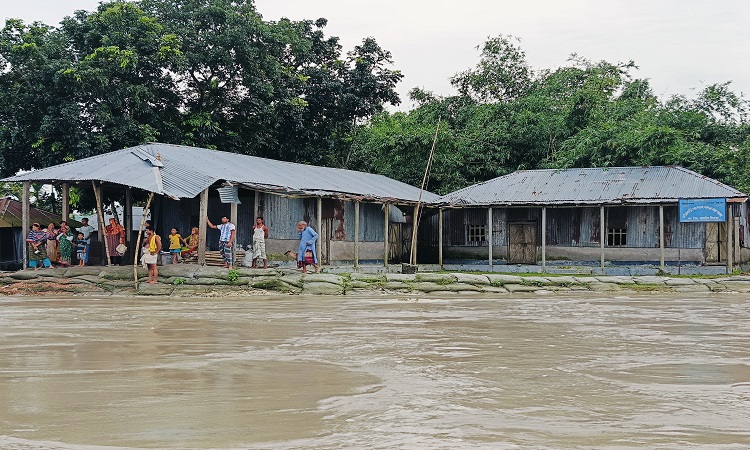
[233,275]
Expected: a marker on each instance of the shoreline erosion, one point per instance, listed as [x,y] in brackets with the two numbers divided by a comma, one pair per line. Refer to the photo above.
[192,281]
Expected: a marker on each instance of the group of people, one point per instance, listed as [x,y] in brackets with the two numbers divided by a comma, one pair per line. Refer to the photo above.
[180,247]
[56,246]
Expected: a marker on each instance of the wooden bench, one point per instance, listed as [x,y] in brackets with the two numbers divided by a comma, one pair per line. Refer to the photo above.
[213,258]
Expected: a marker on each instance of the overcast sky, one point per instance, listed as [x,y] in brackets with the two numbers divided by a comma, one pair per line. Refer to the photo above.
[680,45]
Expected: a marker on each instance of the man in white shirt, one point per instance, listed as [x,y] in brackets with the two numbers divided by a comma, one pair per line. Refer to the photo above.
[86,229]
[226,238]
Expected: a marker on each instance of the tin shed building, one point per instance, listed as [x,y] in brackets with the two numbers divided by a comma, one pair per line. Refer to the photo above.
[595,215]
[354,212]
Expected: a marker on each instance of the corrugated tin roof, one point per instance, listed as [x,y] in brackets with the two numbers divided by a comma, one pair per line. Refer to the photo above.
[11,215]
[183,172]
[614,185]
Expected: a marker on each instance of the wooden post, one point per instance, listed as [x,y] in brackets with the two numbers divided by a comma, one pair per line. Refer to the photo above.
[730,245]
[661,237]
[440,237]
[137,247]
[65,202]
[100,221]
[602,234]
[490,242]
[233,219]
[387,216]
[319,220]
[256,206]
[25,221]
[202,227]
[544,238]
[128,213]
[356,234]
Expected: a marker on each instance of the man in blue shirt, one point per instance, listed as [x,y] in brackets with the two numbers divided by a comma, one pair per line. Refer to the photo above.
[226,238]
[306,253]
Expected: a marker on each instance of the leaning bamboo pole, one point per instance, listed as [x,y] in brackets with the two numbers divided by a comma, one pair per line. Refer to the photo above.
[137,246]
[415,221]
[102,227]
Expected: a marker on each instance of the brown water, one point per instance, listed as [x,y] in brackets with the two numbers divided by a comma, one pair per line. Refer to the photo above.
[335,372]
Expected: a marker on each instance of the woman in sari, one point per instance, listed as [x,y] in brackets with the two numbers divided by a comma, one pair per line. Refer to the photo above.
[115,234]
[52,247]
[65,238]
[37,240]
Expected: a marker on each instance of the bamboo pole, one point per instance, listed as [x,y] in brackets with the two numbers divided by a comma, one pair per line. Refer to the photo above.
[137,246]
[102,229]
[25,221]
[415,220]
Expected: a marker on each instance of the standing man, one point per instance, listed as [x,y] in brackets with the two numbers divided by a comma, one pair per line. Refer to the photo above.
[226,238]
[260,234]
[306,254]
[86,229]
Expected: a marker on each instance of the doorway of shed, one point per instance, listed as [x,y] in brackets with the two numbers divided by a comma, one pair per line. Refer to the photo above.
[716,243]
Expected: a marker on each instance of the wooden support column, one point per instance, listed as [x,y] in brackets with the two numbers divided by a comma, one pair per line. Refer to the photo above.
[387,217]
[233,219]
[489,235]
[202,227]
[356,234]
[730,245]
[128,219]
[440,237]
[661,237]
[65,202]
[25,221]
[319,227]
[544,238]
[602,234]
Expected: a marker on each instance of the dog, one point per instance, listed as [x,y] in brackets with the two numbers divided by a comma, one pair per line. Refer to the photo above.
[293,255]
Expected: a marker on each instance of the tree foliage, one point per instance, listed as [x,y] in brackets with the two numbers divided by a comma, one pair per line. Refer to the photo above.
[507,116]
[210,73]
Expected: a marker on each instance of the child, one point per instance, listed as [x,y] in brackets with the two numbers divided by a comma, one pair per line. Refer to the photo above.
[174,245]
[82,248]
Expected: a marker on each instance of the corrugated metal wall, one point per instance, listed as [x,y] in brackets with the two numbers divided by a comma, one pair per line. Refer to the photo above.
[573,227]
[281,215]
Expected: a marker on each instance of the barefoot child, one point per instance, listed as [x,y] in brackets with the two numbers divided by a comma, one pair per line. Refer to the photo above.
[174,245]
[82,248]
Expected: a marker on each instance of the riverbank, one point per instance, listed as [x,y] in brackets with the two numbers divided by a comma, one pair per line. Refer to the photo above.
[191,281]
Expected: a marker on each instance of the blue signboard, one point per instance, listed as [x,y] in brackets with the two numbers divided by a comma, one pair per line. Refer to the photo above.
[703,210]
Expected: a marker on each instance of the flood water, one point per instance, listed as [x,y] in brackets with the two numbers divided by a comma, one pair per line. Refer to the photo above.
[515,372]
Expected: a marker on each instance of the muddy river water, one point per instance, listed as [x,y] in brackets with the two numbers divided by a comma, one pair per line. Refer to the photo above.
[518,372]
